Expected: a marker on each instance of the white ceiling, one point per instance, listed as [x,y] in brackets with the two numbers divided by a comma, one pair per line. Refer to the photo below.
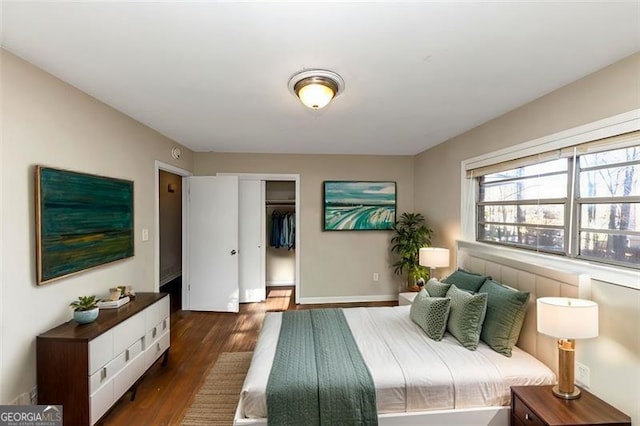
[213,75]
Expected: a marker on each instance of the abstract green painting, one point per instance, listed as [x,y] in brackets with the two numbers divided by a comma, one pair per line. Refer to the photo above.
[82,221]
[359,206]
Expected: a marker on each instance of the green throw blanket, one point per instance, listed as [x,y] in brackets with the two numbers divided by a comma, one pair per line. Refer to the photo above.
[318,375]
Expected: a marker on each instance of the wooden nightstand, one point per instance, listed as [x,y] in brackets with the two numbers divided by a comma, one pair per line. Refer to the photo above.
[537,406]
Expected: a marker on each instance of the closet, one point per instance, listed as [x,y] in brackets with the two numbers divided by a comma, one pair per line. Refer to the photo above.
[280,258]
[231,247]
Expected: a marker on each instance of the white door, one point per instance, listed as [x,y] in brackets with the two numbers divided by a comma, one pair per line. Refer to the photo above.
[251,231]
[213,243]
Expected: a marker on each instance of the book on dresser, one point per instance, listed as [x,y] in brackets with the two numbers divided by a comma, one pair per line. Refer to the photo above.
[113,304]
[87,368]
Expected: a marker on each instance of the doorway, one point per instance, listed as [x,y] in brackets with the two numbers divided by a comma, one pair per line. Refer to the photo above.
[170,235]
[170,232]
[284,189]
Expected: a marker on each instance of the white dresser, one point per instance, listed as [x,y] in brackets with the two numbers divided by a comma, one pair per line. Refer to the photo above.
[87,368]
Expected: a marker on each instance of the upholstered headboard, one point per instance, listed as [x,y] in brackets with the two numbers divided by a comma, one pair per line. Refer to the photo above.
[540,281]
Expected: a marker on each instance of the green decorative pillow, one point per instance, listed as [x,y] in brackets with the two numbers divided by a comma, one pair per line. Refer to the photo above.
[437,288]
[431,314]
[415,312]
[466,280]
[466,316]
[505,314]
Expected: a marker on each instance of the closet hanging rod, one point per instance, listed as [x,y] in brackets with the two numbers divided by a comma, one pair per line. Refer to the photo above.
[281,202]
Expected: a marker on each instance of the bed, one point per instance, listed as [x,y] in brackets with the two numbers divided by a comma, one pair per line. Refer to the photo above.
[470,387]
[411,372]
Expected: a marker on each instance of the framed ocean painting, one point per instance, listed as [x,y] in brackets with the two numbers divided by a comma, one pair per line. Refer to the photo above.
[359,206]
[82,221]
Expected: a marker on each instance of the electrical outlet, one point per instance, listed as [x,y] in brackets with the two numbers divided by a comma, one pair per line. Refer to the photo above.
[583,376]
[376,276]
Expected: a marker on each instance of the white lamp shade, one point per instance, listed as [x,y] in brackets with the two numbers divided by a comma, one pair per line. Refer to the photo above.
[434,257]
[567,318]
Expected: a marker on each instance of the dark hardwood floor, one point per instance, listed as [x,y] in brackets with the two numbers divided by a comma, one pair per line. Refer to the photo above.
[197,339]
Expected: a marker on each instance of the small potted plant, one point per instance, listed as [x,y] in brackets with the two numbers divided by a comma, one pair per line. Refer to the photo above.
[85,309]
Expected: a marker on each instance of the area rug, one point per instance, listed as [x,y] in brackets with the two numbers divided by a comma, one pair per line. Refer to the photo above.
[217,399]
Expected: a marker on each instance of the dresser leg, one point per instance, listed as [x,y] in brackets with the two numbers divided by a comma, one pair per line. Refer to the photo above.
[134,389]
[165,358]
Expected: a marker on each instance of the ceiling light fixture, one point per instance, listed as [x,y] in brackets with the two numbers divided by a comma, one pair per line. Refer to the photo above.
[316,88]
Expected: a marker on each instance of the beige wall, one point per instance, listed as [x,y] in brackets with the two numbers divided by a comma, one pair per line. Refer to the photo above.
[614,357]
[45,121]
[332,264]
[611,91]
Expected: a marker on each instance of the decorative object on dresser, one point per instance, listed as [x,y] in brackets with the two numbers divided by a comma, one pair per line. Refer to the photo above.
[88,368]
[567,319]
[536,406]
[434,257]
[85,309]
[113,304]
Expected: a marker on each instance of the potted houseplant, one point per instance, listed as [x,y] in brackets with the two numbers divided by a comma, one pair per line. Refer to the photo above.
[85,309]
[409,235]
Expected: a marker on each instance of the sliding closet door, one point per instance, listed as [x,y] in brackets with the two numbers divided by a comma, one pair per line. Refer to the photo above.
[213,243]
[252,217]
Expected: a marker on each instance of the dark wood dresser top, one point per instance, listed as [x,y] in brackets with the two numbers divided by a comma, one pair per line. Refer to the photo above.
[106,320]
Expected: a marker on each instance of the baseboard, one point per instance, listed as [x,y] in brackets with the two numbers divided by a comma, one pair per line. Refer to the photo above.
[348,299]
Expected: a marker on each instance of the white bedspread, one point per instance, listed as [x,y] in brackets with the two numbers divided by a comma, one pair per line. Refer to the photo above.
[411,372]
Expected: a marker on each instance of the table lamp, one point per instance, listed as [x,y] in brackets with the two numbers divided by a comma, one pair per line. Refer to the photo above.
[433,257]
[567,319]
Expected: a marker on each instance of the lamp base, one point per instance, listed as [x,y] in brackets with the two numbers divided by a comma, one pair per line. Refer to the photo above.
[566,395]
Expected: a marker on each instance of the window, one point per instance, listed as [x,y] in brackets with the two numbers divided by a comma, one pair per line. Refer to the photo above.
[581,201]
[608,205]
[525,207]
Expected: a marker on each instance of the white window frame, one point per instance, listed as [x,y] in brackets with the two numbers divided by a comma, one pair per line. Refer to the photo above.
[608,127]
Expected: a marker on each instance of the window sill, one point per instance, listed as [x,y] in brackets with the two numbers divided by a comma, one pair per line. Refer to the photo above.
[606,273]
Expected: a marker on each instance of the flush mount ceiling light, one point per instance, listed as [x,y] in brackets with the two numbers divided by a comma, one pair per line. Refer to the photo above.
[316,88]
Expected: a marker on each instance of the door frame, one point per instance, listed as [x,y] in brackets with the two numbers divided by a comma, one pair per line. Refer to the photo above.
[285,177]
[159,165]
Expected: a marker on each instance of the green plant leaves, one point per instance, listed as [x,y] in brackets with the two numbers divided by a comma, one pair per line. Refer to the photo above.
[84,303]
[410,235]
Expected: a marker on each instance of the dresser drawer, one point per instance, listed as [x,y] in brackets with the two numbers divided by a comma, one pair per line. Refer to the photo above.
[105,373]
[131,372]
[156,313]
[524,415]
[154,333]
[100,401]
[156,349]
[100,351]
[127,332]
